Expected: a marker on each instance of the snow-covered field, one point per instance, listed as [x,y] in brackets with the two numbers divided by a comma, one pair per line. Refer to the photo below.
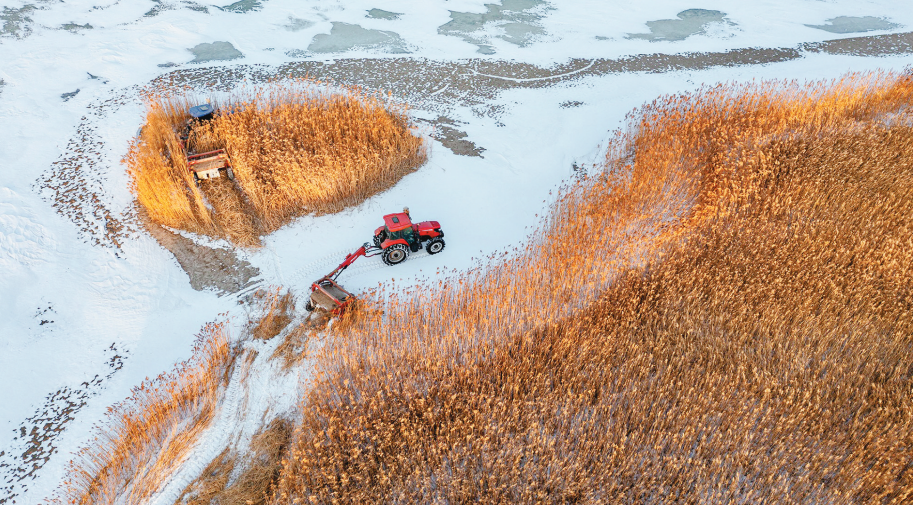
[90,305]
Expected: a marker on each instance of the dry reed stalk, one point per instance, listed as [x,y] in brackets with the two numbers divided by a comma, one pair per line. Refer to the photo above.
[295,150]
[275,310]
[243,479]
[147,436]
[722,312]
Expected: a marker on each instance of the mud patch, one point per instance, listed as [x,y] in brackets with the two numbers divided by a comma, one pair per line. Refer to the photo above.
[446,132]
[516,20]
[690,22]
[36,437]
[873,45]
[74,184]
[853,24]
[216,51]
[344,37]
[208,268]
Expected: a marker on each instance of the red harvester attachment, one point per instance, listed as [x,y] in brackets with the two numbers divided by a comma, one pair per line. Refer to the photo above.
[393,241]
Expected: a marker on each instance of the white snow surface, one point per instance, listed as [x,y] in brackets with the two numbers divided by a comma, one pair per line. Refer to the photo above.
[64,302]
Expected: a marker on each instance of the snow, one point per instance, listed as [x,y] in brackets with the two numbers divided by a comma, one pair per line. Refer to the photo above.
[64,300]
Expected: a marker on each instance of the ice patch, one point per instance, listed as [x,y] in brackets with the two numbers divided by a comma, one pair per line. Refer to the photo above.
[217,51]
[382,14]
[162,6]
[517,21]
[16,22]
[690,22]
[297,24]
[344,37]
[67,96]
[854,24]
[73,27]
[243,6]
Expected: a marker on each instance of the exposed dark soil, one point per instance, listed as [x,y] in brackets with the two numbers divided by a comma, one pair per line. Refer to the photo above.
[35,440]
[206,267]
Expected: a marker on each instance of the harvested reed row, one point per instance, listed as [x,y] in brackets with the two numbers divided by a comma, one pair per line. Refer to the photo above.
[295,150]
[721,312]
[146,437]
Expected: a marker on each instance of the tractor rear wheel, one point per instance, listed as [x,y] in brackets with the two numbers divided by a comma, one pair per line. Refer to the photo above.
[395,254]
[435,246]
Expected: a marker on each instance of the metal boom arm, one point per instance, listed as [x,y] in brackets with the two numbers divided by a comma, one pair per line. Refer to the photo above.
[366,250]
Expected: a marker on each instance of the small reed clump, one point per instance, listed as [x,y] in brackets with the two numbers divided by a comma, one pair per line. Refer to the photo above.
[294,151]
[722,312]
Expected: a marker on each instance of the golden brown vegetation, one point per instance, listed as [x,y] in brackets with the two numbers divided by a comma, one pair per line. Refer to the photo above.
[721,313]
[278,309]
[294,151]
[147,436]
[259,470]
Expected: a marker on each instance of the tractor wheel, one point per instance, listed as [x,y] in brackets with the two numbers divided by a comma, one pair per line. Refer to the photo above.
[230,173]
[395,254]
[435,246]
[377,240]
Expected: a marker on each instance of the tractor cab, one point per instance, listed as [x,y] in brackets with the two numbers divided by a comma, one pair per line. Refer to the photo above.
[398,227]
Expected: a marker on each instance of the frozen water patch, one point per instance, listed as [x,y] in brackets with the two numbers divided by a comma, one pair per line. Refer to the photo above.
[162,6]
[855,24]
[382,14]
[216,51]
[74,28]
[17,22]
[344,37]
[514,21]
[243,6]
[297,24]
[67,96]
[690,22]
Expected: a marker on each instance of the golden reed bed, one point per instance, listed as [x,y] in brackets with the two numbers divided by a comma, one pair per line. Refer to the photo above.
[295,150]
[722,312]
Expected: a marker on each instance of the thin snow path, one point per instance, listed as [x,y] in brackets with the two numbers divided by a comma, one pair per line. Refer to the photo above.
[259,390]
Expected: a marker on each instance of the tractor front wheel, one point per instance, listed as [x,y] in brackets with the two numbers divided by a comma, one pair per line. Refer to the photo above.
[395,254]
[230,173]
[435,246]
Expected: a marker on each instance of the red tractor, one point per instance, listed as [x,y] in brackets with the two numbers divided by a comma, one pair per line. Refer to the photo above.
[393,241]
[399,236]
